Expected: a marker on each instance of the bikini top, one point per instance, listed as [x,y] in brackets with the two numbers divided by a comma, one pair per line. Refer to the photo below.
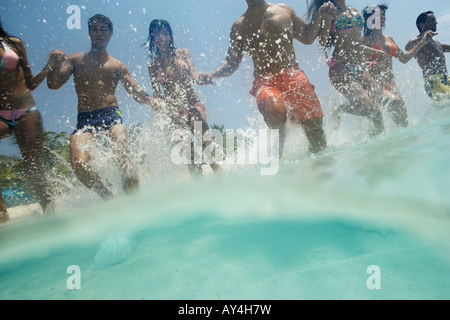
[348,22]
[180,70]
[10,59]
[392,52]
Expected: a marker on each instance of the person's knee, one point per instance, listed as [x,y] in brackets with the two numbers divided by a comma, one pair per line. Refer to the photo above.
[313,125]
[397,105]
[5,131]
[79,161]
[274,112]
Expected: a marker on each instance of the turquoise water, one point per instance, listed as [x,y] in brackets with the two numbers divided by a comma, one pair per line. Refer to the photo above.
[310,232]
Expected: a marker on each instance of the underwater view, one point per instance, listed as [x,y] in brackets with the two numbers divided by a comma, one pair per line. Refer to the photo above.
[365,218]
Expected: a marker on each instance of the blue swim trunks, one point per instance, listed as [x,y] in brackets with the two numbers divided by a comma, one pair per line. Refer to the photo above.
[98,120]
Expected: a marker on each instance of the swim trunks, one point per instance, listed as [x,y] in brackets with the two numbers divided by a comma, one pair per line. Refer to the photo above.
[294,88]
[438,87]
[98,120]
[12,117]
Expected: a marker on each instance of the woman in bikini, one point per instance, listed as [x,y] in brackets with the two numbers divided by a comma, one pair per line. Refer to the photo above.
[382,70]
[19,116]
[173,71]
[348,69]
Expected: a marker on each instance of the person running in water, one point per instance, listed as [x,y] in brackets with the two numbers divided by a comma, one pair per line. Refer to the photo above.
[96,75]
[349,72]
[19,115]
[173,70]
[382,70]
[431,58]
[267,31]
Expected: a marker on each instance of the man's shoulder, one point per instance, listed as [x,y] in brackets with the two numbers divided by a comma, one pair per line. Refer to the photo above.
[238,23]
[415,39]
[237,27]
[116,64]
[411,43]
[115,60]
[284,6]
[76,57]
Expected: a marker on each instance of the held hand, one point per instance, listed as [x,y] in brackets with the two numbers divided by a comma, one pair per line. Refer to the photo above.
[157,104]
[428,35]
[57,58]
[205,79]
[328,10]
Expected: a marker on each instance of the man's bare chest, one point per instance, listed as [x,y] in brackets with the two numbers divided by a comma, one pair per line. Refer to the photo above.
[96,73]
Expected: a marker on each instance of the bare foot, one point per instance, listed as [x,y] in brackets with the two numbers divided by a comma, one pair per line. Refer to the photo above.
[195,169]
[336,116]
[130,184]
[217,168]
[3,215]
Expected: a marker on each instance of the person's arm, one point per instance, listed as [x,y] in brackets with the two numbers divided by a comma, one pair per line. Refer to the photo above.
[186,56]
[60,74]
[32,81]
[157,93]
[368,51]
[325,31]
[422,41]
[446,47]
[412,43]
[139,95]
[232,61]
[319,27]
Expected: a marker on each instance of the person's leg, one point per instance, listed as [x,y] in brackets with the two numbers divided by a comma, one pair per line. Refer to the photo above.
[315,134]
[198,113]
[305,109]
[80,158]
[397,109]
[360,103]
[5,130]
[30,137]
[3,213]
[119,139]
[274,111]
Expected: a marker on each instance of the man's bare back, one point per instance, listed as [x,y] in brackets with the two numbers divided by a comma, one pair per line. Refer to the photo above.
[268,38]
[266,31]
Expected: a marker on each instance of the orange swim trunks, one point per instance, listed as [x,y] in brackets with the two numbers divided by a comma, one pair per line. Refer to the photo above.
[294,88]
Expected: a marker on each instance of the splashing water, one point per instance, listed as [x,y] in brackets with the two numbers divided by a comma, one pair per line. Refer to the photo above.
[312,231]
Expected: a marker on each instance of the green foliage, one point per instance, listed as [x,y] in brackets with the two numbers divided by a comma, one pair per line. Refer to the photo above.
[11,172]
[56,161]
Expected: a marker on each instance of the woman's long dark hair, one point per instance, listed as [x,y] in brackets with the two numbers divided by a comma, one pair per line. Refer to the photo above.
[155,27]
[368,12]
[7,36]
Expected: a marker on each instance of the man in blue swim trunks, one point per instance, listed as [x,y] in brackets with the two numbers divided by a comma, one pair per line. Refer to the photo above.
[96,75]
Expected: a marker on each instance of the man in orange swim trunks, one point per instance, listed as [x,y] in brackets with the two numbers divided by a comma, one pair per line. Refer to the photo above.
[266,32]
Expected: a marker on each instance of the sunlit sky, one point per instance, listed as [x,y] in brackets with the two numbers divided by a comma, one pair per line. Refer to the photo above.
[202,27]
